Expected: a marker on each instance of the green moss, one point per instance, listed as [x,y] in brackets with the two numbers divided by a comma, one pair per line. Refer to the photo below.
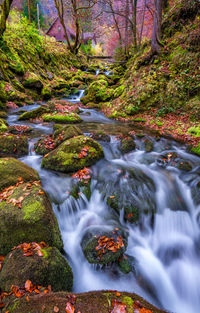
[196,150]
[46,93]
[34,222]
[13,144]
[10,171]
[62,118]
[3,126]
[32,81]
[33,114]
[53,269]
[66,157]
[194,131]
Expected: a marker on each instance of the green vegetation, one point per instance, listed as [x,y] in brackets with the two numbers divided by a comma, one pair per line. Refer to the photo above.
[63,118]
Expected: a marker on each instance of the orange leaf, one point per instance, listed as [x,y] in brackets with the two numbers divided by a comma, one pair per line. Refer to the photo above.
[56,309]
[69,308]
[28,285]
[40,253]
[27,298]
[117,293]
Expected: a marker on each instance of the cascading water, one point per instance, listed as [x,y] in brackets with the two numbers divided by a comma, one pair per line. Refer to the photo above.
[164,243]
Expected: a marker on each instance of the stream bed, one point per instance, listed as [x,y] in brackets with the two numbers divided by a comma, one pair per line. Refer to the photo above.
[165,243]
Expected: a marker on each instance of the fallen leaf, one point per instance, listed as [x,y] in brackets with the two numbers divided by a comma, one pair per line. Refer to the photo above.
[56,309]
[69,308]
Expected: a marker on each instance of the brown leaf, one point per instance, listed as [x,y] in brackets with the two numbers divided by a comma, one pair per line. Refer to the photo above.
[56,309]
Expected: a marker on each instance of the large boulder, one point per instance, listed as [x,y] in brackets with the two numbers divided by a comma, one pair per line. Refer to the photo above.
[73,154]
[33,114]
[50,268]
[26,215]
[13,145]
[98,91]
[11,170]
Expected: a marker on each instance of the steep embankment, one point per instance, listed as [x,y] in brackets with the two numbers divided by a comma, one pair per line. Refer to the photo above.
[32,67]
[163,92]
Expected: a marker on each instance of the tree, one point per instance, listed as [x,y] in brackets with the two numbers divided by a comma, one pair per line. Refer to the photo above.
[4,13]
[156,34]
[30,10]
[76,9]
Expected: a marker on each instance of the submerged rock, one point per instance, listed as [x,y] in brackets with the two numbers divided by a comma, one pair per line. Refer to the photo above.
[13,145]
[73,154]
[26,215]
[11,170]
[50,268]
[148,145]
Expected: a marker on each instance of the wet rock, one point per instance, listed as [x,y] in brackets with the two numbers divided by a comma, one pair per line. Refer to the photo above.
[13,145]
[33,114]
[127,264]
[10,171]
[98,91]
[148,145]
[49,143]
[101,247]
[100,136]
[51,268]
[20,130]
[184,166]
[62,118]
[90,302]
[128,191]
[73,154]
[26,215]
[127,144]
[173,159]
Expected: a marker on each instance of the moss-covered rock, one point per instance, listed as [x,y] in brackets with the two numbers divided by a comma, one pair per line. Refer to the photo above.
[32,81]
[127,144]
[98,91]
[33,114]
[10,171]
[96,253]
[3,114]
[3,126]
[63,118]
[46,93]
[50,269]
[148,145]
[90,302]
[26,215]
[13,144]
[73,154]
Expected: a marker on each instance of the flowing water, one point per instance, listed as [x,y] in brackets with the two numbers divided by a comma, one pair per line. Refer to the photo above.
[164,244]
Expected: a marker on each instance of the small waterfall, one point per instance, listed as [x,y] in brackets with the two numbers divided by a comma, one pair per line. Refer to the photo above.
[165,241]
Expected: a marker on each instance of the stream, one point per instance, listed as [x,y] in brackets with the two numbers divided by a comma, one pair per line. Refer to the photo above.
[164,244]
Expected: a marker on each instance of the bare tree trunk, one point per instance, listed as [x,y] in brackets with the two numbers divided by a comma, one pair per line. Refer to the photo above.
[156,35]
[142,25]
[126,26]
[29,10]
[134,18]
[60,9]
[5,10]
